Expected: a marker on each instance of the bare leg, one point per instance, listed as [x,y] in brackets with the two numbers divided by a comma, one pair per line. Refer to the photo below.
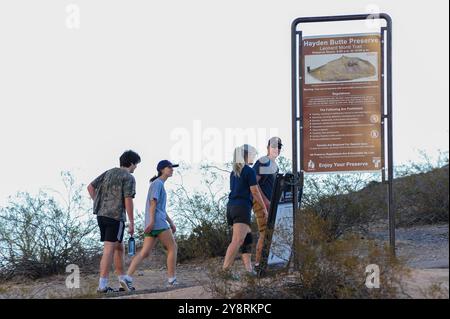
[107,258]
[260,246]
[169,243]
[149,244]
[240,230]
[119,252]
[247,260]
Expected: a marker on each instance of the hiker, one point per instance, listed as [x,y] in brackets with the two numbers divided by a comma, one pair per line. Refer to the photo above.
[266,170]
[113,193]
[158,225]
[243,188]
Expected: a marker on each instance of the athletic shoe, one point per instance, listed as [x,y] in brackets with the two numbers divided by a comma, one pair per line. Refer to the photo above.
[251,274]
[126,284]
[172,283]
[106,290]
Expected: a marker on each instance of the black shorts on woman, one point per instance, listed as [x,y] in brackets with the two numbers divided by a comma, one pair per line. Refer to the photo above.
[239,214]
[240,200]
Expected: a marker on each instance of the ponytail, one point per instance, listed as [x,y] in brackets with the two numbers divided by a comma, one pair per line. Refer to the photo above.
[155,177]
[241,156]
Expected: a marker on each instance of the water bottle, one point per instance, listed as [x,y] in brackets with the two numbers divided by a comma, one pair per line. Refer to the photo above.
[131,246]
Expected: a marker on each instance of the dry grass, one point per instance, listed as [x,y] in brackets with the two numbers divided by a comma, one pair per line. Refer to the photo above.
[330,269]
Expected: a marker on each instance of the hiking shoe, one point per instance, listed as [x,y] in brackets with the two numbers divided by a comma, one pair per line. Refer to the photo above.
[106,290]
[126,285]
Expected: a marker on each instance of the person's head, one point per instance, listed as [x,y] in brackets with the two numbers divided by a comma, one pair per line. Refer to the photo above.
[129,160]
[274,147]
[244,154]
[165,169]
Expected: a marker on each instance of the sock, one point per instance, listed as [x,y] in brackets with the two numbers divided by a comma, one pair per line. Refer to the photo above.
[123,277]
[102,283]
[172,279]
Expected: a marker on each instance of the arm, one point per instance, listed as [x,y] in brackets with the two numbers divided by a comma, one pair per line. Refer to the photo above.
[257,196]
[172,225]
[91,191]
[265,199]
[129,190]
[151,212]
[129,207]
[94,185]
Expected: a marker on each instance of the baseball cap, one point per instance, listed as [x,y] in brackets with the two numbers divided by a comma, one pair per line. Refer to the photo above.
[165,163]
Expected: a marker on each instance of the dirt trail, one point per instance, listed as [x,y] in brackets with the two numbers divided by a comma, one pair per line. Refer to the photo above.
[426,248]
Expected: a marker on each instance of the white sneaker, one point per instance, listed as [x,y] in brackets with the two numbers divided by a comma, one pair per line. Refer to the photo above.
[172,283]
[127,284]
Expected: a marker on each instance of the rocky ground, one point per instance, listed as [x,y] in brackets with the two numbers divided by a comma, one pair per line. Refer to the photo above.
[426,249]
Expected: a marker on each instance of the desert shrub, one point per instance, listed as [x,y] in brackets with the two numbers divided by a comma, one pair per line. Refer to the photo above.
[422,191]
[201,216]
[354,201]
[205,241]
[39,236]
[329,268]
[435,291]
[338,200]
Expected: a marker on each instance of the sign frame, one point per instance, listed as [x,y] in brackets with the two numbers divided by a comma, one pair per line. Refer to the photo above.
[386,111]
[283,185]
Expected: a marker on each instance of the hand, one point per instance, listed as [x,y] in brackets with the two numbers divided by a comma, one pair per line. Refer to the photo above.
[131,229]
[266,215]
[149,228]
[173,227]
[266,203]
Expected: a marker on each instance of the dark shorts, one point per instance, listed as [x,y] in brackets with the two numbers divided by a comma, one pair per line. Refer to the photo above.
[239,214]
[110,229]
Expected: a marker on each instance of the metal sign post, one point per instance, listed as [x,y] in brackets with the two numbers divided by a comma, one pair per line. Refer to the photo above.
[302,127]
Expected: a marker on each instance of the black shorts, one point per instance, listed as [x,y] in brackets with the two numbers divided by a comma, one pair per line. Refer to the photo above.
[239,214]
[110,229]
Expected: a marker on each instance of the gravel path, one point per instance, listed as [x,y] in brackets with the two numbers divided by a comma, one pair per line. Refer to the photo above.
[424,247]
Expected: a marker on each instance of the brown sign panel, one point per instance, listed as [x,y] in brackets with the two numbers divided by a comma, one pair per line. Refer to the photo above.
[341,99]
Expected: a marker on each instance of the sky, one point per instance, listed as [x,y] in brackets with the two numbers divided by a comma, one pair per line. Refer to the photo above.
[81,81]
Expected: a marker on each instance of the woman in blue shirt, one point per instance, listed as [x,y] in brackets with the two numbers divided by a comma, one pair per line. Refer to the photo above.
[158,225]
[243,188]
